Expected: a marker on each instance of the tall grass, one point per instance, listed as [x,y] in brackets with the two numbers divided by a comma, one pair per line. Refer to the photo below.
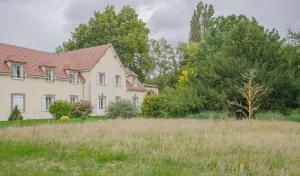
[152,147]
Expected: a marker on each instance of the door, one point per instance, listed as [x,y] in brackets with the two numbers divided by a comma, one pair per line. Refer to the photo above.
[101,105]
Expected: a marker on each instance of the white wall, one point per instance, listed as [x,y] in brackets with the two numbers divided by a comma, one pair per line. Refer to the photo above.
[34,90]
[110,65]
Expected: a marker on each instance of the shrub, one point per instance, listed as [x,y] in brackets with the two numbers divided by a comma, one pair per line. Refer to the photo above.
[64,118]
[121,108]
[60,108]
[82,108]
[152,106]
[15,114]
[181,101]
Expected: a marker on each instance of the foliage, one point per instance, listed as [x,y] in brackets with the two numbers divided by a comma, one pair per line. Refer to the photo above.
[252,93]
[166,60]
[82,108]
[64,118]
[202,21]
[178,102]
[15,114]
[233,45]
[122,108]
[152,106]
[124,30]
[60,108]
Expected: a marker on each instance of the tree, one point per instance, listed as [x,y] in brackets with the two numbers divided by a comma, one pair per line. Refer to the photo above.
[233,45]
[124,30]
[201,22]
[166,60]
[252,93]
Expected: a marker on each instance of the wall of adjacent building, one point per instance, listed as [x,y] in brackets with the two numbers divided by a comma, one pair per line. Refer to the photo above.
[34,90]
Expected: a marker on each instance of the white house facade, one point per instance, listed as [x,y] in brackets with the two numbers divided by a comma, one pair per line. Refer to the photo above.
[33,80]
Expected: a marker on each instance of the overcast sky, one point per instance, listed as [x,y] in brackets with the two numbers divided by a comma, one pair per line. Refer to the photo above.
[44,24]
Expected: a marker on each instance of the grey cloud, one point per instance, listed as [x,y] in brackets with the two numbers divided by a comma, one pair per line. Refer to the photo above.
[45,24]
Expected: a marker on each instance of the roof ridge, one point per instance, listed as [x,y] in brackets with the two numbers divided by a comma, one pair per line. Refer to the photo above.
[22,47]
[109,44]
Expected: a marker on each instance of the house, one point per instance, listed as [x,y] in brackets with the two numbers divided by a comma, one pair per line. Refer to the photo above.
[33,80]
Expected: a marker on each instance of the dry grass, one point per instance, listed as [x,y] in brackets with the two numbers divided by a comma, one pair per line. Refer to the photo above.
[153,147]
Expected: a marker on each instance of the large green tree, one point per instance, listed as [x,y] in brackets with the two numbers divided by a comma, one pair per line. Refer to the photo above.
[234,45]
[202,21]
[166,60]
[124,30]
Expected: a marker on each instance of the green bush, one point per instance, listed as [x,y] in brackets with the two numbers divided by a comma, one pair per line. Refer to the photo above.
[15,114]
[152,106]
[60,108]
[121,108]
[180,102]
[82,108]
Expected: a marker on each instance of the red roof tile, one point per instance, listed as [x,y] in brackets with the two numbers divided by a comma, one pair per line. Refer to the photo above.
[83,59]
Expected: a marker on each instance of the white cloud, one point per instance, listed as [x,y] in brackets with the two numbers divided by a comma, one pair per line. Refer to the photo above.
[43,24]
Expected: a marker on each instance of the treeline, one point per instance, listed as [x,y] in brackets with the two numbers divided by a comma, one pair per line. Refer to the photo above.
[207,72]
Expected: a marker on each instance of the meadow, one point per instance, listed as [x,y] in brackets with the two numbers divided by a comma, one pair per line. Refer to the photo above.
[152,147]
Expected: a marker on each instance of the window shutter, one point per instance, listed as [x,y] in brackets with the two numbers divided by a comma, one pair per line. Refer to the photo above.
[113,80]
[97,106]
[98,78]
[43,103]
[68,99]
[14,71]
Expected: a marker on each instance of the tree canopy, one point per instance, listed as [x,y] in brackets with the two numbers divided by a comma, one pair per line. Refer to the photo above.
[124,30]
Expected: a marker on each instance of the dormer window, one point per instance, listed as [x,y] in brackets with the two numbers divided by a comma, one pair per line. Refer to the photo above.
[73,79]
[134,81]
[17,71]
[49,74]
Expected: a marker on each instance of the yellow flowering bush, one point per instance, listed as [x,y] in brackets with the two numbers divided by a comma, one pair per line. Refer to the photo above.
[64,118]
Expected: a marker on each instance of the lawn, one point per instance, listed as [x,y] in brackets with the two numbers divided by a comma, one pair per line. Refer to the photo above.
[152,147]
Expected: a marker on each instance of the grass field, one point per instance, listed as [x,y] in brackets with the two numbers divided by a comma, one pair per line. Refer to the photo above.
[152,147]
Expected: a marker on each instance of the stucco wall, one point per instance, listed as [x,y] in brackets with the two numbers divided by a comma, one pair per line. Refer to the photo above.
[34,90]
[110,65]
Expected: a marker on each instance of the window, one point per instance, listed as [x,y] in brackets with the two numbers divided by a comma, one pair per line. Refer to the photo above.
[17,71]
[73,78]
[19,101]
[49,101]
[118,98]
[73,99]
[102,102]
[101,78]
[135,100]
[117,80]
[134,82]
[49,74]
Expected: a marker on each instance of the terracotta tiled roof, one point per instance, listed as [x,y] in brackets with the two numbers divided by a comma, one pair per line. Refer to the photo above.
[130,73]
[83,59]
[140,86]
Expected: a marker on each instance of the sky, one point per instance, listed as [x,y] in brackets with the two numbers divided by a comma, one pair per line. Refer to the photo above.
[45,24]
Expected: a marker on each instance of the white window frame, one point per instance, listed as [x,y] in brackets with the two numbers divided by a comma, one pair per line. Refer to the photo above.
[73,78]
[134,81]
[15,68]
[118,80]
[102,102]
[73,99]
[21,109]
[101,79]
[49,74]
[135,102]
[48,98]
